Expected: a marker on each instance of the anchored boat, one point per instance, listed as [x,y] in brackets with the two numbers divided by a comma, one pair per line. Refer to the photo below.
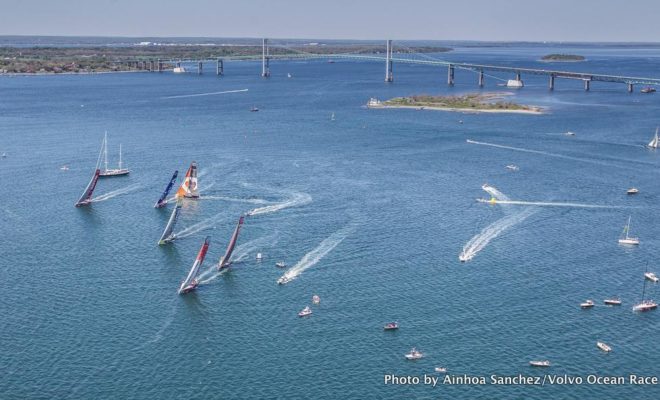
[604,347]
[625,238]
[414,354]
[613,301]
[109,171]
[168,234]
[190,283]
[162,201]
[225,260]
[188,188]
[544,363]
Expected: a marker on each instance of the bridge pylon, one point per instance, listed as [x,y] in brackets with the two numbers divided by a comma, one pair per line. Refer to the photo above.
[265,59]
[389,77]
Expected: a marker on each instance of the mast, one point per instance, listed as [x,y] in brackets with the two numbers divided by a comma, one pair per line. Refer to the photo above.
[628,227]
[190,283]
[225,261]
[105,149]
[86,197]
[119,155]
[163,197]
[167,235]
[188,188]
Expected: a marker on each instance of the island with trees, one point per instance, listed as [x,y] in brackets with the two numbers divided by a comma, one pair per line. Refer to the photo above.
[475,102]
[562,58]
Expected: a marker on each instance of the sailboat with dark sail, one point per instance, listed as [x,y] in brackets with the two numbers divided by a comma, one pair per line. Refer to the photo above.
[190,283]
[86,197]
[225,261]
[168,234]
[162,201]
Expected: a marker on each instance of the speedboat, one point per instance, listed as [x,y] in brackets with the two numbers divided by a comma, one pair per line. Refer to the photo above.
[316,299]
[544,363]
[462,257]
[651,276]
[414,354]
[512,167]
[254,109]
[283,280]
[645,305]
[390,326]
[632,190]
[305,312]
[280,264]
[648,89]
[613,301]
[569,133]
[587,304]
[258,256]
[603,347]
[441,370]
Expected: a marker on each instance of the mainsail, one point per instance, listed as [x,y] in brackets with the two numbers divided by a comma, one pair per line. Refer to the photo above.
[162,201]
[225,261]
[167,235]
[188,188]
[86,197]
[654,142]
[190,283]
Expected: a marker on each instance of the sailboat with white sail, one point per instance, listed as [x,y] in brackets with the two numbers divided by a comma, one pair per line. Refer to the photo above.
[111,171]
[86,197]
[162,201]
[190,283]
[168,234]
[645,304]
[188,188]
[625,235]
[225,260]
[653,144]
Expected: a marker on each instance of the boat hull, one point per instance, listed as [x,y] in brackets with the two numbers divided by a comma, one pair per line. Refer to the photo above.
[114,172]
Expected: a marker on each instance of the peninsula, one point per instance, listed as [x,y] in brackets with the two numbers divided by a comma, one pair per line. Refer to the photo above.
[562,58]
[475,102]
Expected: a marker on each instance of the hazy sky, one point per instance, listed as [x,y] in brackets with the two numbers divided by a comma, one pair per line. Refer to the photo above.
[556,20]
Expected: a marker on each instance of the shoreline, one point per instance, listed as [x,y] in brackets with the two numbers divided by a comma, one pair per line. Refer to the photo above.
[69,73]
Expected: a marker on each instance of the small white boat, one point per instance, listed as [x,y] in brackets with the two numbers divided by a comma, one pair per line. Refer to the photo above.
[651,276]
[316,299]
[179,70]
[283,280]
[288,75]
[603,347]
[655,142]
[414,354]
[305,312]
[512,167]
[254,109]
[441,370]
[373,102]
[259,256]
[390,326]
[613,301]
[632,190]
[514,83]
[332,117]
[544,363]
[625,238]
[280,264]
[587,304]
[569,133]
[4,155]
[64,168]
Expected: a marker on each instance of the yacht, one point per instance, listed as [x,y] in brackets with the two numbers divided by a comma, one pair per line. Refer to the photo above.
[648,89]
[414,354]
[625,238]
[390,326]
[651,276]
[632,190]
[613,301]
[587,304]
[316,299]
[305,312]
[514,83]
[4,155]
[544,363]
[179,70]
[441,370]
[603,347]
[288,75]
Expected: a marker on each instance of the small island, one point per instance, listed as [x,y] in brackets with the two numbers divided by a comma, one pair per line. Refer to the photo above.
[562,58]
[476,102]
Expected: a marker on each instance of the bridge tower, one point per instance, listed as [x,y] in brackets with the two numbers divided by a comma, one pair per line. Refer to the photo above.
[389,77]
[450,75]
[219,67]
[265,59]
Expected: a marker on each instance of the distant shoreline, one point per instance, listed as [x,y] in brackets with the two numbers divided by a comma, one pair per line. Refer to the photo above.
[533,111]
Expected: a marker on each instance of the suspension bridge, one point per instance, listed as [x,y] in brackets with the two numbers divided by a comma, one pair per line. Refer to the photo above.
[389,60]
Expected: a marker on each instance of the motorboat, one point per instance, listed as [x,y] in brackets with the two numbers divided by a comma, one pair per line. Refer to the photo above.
[259,256]
[305,312]
[390,326]
[64,168]
[514,83]
[648,89]
[316,299]
[414,354]
[603,347]
[373,102]
[587,304]
[283,280]
[625,238]
[441,370]
[651,276]
[179,70]
[569,133]
[612,301]
[512,167]
[544,363]
[280,264]
[254,109]
[632,190]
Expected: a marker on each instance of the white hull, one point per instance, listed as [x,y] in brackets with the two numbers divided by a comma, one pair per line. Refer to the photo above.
[603,347]
[115,172]
[629,241]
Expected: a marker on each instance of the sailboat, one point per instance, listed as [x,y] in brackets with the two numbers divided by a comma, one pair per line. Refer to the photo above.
[190,283]
[332,117]
[645,304]
[168,235]
[225,261]
[188,188]
[86,197]
[625,238]
[653,144]
[111,172]
[162,201]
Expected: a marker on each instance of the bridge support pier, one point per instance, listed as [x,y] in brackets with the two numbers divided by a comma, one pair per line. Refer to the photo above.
[481,78]
[450,75]
[587,83]
[630,88]
[518,76]
[219,67]
[551,85]
[178,64]
[152,65]
[160,66]
[389,77]
[265,59]
[200,67]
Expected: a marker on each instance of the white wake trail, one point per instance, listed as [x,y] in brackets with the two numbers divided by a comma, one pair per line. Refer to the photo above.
[550,204]
[310,259]
[181,96]
[200,226]
[495,193]
[235,199]
[297,199]
[116,193]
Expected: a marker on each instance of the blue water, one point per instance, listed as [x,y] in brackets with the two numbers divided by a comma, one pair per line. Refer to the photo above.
[89,305]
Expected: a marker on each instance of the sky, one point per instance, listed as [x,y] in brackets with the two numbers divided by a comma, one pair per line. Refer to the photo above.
[492,20]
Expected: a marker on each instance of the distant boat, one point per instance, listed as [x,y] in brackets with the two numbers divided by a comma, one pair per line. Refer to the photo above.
[512,167]
[544,363]
[86,197]
[280,264]
[373,103]
[569,133]
[225,261]
[288,75]
[168,235]
[625,238]
[259,256]
[188,188]
[4,155]
[441,370]
[514,83]
[632,190]
[64,168]
[646,304]
[587,304]
[331,61]
[613,301]
[109,171]
[390,326]
[332,117]
[414,354]
[651,276]
[305,312]
[254,109]
[190,283]
[648,89]
[179,70]
[604,347]
[162,201]
[653,144]
[316,299]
